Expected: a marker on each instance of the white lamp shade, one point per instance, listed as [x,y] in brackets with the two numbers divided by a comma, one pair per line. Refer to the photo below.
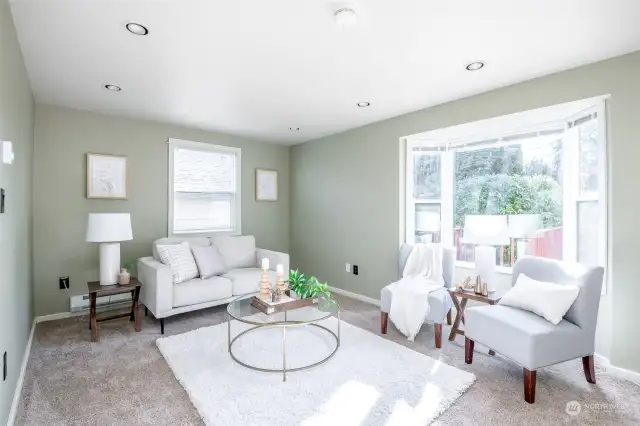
[486,230]
[428,221]
[523,225]
[108,227]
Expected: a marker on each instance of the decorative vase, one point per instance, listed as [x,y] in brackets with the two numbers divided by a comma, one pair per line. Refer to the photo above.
[124,278]
[478,287]
[485,290]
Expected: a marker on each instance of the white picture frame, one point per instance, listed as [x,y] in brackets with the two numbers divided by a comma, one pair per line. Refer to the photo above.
[106,176]
[266,185]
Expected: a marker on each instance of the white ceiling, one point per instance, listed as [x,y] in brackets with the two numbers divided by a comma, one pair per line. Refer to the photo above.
[257,67]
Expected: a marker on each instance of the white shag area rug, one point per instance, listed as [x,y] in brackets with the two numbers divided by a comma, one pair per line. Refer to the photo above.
[369,381]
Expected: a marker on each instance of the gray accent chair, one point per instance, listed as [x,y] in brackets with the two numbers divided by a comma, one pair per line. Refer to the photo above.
[532,341]
[439,300]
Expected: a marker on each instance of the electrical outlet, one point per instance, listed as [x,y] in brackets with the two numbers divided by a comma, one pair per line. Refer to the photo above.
[4,368]
[355,269]
[348,267]
[64,282]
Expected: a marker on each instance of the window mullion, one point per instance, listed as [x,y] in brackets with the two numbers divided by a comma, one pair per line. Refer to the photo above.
[446,208]
[570,183]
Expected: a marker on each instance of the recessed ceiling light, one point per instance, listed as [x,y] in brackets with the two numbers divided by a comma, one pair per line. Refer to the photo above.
[474,66]
[113,87]
[294,129]
[137,29]
[345,17]
[363,104]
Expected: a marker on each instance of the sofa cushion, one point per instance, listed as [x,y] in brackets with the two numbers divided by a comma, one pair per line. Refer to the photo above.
[525,337]
[180,259]
[193,241]
[201,291]
[247,280]
[209,261]
[237,252]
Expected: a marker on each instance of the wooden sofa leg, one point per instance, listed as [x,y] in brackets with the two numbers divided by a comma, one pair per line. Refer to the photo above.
[529,385]
[438,333]
[449,317]
[384,318]
[589,370]
[468,350]
[146,311]
[161,325]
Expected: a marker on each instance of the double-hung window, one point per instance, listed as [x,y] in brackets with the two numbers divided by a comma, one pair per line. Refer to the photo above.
[204,188]
[548,180]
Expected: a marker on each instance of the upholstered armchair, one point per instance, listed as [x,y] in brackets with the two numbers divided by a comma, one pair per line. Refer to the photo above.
[532,341]
[439,301]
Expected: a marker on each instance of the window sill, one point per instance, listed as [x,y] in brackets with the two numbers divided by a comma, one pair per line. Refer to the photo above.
[506,270]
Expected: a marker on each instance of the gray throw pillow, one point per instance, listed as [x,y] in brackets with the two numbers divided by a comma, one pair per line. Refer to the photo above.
[209,261]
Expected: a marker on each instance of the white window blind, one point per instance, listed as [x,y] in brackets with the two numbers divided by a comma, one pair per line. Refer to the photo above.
[204,194]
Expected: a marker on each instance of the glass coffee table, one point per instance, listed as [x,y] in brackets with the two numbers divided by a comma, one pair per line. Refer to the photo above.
[241,310]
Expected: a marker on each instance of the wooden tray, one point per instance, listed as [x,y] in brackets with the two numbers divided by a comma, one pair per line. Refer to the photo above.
[266,308]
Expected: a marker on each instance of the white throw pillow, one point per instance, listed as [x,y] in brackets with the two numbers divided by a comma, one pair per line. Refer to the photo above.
[237,252]
[209,261]
[549,300]
[180,259]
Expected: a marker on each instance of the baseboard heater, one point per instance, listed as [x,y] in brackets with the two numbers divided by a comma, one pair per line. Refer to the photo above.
[81,302]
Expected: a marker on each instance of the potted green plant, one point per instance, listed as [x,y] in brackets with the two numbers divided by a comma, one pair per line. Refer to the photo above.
[125,273]
[304,286]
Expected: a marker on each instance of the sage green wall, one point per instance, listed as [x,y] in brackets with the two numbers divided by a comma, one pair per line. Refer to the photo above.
[16,284]
[345,190]
[64,136]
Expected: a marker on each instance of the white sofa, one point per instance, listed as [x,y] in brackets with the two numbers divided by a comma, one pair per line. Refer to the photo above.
[163,298]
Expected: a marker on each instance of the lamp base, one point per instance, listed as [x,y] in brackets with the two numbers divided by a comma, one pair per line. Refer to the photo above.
[485,260]
[109,263]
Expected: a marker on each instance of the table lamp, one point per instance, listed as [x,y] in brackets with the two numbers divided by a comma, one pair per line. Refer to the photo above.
[108,229]
[521,228]
[486,232]
[429,223]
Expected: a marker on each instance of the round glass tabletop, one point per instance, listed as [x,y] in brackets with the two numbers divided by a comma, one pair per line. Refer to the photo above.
[242,310]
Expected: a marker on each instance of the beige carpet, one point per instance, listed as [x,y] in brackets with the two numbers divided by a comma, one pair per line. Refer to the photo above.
[123,379]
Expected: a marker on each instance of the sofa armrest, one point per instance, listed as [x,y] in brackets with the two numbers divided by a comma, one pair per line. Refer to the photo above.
[157,286]
[275,258]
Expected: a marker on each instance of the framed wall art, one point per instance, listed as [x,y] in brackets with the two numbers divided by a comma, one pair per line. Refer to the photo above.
[266,185]
[106,176]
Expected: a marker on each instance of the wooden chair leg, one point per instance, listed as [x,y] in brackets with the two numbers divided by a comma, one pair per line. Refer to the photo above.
[468,350]
[529,385]
[438,333]
[449,317]
[589,370]
[384,318]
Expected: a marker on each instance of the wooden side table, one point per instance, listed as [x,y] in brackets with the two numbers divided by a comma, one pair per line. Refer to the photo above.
[96,290]
[460,299]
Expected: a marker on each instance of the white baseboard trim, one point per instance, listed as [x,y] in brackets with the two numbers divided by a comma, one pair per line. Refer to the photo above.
[356,296]
[60,315]
[23,370]
[617,372]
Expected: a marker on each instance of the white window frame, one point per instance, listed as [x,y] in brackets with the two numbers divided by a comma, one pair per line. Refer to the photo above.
[447,149]
[237,208]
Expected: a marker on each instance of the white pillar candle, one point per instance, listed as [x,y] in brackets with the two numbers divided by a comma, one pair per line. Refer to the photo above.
[265,263]
[279,269]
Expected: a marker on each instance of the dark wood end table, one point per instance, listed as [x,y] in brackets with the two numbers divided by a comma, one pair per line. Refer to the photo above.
[460,298]
[96,290]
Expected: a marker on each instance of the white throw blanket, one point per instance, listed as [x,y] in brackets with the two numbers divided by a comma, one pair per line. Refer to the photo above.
[422,274]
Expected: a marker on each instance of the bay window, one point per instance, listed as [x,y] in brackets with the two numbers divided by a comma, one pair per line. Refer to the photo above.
[549,182]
